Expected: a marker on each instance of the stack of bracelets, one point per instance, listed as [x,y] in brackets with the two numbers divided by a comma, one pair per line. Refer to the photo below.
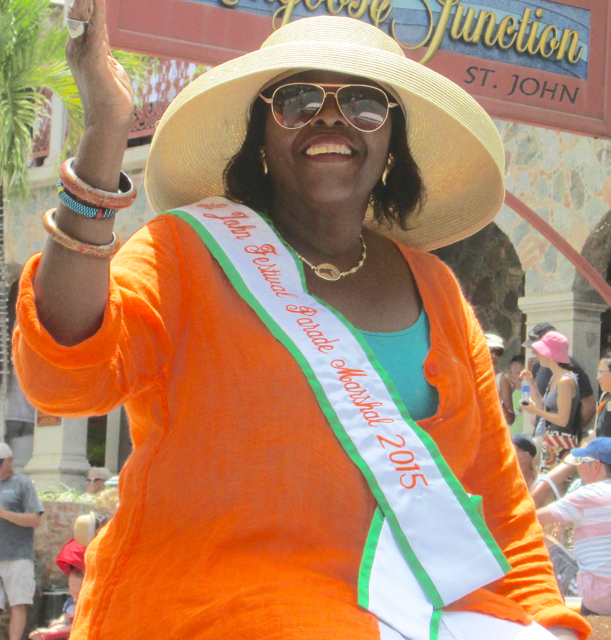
[92,203]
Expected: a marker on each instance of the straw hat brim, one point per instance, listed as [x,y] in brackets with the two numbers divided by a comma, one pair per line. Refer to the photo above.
[454,142]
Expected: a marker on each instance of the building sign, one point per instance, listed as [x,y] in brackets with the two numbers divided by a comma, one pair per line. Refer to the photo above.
[47,420]
[540,61]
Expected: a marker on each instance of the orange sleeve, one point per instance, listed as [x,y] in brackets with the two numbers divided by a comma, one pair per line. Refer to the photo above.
[508,508]
[134,346]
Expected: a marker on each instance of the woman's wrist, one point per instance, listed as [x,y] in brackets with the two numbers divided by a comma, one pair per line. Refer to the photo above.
[100,156]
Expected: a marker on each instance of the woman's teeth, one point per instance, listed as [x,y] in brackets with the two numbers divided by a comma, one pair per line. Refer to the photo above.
[328,148]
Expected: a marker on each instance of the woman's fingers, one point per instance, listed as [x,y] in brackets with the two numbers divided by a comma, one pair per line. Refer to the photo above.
[81,9]
[93,12]
[98,15]
[104,88]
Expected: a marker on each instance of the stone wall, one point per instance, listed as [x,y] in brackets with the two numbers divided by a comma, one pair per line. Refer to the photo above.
[25,233]
[54,531]
[566,179]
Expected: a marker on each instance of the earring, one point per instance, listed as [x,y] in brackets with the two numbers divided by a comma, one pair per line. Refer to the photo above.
[389,165]
[263,160]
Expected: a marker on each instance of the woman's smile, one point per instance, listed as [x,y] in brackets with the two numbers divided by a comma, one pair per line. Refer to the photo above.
[328,148]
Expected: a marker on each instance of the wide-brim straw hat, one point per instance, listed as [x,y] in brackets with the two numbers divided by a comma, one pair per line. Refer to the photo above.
[453,141]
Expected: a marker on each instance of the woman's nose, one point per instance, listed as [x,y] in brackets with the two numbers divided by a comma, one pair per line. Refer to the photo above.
[329,114]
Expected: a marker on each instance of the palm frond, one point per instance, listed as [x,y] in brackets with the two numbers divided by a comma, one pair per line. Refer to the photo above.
[32,41]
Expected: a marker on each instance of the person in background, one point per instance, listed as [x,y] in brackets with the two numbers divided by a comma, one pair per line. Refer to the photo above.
[71,560]
[558,407]
[542,376]
[96,479]
[526,450]
[20,511]
[86,527]
[544,487]
[589,510]
[603,414]
[503,385]
[515,369]
[19,414]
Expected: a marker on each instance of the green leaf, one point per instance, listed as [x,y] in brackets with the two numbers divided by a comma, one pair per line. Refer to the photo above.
[32,59]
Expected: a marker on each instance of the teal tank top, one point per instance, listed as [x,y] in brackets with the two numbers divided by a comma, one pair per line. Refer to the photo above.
[402,354]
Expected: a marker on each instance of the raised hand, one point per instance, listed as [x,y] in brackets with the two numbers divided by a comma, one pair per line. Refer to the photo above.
[527,376]
[70,306]
[104,87]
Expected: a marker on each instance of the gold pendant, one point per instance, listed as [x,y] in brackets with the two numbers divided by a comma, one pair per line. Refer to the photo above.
[327,271]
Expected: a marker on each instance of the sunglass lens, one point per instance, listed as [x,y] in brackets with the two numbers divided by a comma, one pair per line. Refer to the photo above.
[295,105]
[364,107]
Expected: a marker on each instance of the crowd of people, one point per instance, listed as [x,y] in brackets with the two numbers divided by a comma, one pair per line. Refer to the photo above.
[20,514]
[567,469]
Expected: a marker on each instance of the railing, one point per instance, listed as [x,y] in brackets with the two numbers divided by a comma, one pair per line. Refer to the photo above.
[164,84]
[167,79]
[42,131]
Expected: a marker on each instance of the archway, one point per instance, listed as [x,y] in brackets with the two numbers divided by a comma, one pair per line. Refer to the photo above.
[597,251]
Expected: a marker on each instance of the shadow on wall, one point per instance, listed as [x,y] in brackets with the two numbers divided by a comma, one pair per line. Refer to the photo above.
[491,276]
[597,251]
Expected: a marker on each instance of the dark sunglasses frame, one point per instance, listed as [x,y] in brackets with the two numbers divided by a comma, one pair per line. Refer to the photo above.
[338,88]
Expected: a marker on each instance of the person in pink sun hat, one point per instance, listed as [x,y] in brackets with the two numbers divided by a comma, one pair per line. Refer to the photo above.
[560,404]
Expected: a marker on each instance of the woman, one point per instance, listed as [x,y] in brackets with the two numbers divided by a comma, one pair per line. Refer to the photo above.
[603,415]
[71,560]
[560,404]
[503,383]
[266,432]
[516,366]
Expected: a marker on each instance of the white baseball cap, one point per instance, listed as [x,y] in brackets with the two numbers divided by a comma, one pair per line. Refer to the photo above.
[5,450]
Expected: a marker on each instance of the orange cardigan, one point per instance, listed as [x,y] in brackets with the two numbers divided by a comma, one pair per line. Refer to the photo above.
[240,513]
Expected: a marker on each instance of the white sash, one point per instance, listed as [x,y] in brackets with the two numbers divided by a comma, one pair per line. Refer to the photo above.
[428,545]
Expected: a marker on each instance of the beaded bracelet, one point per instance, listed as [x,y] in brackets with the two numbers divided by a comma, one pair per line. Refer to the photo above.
[95,250]
[93,213]
[97,197]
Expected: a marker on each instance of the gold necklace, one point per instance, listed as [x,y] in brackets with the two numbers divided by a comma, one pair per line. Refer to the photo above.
[328,271]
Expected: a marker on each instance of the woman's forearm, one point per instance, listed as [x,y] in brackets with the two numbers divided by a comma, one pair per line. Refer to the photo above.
[536,396]
[71,289]
[554,418]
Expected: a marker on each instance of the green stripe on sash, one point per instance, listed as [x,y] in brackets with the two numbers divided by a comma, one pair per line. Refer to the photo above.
[368,557]
[435,621]
[465,501]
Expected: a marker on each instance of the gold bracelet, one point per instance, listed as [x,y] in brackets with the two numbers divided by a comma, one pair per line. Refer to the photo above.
[95,250]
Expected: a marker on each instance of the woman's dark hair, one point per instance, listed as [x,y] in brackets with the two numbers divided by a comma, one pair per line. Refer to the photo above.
[402,195]
[606,355]
[568,367]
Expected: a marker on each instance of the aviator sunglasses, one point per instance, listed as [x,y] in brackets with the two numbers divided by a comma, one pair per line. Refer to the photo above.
[294,105]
